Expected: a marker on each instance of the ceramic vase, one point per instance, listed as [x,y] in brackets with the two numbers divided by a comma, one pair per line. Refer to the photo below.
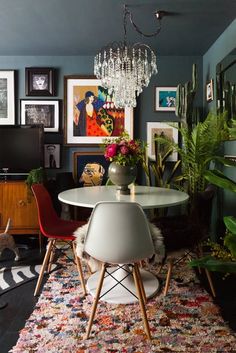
[122,176]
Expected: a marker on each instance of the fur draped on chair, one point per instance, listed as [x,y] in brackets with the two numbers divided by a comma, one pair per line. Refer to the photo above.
[94,265]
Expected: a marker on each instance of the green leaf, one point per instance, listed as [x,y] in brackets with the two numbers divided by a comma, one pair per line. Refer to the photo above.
[213,264]
[230,243]
[218,178]
[230,223]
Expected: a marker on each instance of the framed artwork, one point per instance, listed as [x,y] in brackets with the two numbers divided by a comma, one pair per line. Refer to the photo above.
[52,155]
[39,81]
[165,99]
[90,168]
[209,91]
[231,157]
[90,113]
[44,112]
[7,97]
[161,129]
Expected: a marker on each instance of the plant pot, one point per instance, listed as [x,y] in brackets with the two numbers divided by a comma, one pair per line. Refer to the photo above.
[122,176]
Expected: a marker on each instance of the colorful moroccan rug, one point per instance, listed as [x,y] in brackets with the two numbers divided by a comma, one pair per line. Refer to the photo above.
[186,320]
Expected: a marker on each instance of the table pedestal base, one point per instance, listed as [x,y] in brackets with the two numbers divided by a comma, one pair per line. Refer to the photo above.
[119,294]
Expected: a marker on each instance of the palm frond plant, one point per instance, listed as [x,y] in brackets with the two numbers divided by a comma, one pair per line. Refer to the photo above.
[200,147]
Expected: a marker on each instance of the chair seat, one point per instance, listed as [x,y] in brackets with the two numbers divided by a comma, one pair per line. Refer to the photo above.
[63,229]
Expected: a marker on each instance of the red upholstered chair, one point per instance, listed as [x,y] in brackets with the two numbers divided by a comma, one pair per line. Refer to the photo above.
[55,229]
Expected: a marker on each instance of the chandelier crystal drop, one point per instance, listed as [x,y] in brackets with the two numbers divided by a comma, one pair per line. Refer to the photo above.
[125,69]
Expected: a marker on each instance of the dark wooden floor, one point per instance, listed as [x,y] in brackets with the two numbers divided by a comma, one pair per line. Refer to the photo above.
[21,301]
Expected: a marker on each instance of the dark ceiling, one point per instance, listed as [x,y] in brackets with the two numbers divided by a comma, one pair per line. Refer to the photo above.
[81,27]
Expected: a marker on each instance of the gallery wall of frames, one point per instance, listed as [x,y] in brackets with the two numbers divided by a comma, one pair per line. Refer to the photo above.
[77,113]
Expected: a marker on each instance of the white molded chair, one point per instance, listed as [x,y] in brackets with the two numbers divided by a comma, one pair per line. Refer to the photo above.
[118,233]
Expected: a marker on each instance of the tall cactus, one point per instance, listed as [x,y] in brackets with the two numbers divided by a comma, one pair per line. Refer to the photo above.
[184,100]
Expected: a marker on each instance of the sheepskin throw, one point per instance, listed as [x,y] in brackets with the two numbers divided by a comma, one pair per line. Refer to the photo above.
[80,235]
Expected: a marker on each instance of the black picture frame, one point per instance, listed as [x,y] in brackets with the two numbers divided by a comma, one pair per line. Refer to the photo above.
[39,81]
[83,159]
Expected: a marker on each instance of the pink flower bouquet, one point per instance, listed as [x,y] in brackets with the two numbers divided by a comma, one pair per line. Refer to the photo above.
[123,150]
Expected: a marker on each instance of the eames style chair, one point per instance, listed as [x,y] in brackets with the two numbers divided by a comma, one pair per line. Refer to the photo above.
[118,233]
[56,230]
[184,234]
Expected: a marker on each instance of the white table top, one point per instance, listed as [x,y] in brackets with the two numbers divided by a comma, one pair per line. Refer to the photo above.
[147,197]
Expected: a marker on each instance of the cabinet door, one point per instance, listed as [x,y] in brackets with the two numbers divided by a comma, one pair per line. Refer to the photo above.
[18,204]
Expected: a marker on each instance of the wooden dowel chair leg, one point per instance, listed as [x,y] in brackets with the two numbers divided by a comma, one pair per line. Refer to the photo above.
[43,267]
[141,301]
[79,268]
[142,286]
[210,283]
[51,256]
[170,267]
[95,303]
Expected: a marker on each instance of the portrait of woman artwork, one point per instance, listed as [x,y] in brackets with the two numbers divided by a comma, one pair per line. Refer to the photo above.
[91,114]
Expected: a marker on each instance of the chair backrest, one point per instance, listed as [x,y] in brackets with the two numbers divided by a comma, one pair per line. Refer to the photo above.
[46,213]
[118,232]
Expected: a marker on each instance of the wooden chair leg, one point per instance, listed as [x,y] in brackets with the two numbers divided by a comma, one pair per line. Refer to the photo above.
[43,267]
[210,283]
[95,303]
[51,256]
[142,286]
[141,301]
[79,268]
[170,267]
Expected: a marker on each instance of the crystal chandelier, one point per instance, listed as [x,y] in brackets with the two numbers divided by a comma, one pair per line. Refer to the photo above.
[125,69]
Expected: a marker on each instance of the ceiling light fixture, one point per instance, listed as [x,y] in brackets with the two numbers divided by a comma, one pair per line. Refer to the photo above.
[125,69]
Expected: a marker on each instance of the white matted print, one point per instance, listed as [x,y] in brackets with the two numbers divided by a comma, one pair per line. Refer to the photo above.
[161,129]
[7,97]
[90,113]
[44,112]
[165,98]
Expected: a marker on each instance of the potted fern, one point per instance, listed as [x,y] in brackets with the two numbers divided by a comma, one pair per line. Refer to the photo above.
[201,146]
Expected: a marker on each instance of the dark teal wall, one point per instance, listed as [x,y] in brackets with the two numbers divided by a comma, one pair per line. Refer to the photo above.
[172,70]
[218,51]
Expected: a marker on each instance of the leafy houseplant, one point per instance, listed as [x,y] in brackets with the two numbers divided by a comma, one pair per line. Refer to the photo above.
[222,257]
[35,176]
[200,147]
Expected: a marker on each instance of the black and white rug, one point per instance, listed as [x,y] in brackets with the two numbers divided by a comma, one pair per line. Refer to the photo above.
[14,276]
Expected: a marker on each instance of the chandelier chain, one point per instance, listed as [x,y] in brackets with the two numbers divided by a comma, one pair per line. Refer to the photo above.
[148,35]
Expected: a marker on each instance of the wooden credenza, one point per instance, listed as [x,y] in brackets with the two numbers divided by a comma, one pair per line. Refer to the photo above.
[17,202]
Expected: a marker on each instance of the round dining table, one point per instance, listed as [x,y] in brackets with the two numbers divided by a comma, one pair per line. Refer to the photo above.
[148,197]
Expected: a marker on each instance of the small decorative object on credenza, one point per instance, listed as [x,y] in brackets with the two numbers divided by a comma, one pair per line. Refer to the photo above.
[125,154]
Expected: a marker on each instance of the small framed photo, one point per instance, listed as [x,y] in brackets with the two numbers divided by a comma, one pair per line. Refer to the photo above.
[52,155]
[7,97]
[90,112]
[209,91]
[44,112]
[161,129]
[231,157]
[165,99]
[90,168]
[39,81]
